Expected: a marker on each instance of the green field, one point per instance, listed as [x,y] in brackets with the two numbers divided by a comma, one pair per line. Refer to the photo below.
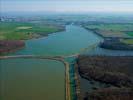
[130,33]
[25,30]
[113,30]
[112,27]
[127,41]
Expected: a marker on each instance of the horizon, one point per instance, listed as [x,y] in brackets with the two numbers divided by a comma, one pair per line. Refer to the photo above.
[67,6]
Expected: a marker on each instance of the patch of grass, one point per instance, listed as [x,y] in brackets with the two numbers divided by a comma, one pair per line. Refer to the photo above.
[108,33]
[112,27]
[113,30]
[127,41]
[25,30]
[130,33]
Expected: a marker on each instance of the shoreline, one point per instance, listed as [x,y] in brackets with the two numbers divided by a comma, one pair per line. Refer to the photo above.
[10,50]
[36,38]
[112,43]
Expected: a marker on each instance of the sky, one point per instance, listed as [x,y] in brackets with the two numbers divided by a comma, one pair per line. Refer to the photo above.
[73,6]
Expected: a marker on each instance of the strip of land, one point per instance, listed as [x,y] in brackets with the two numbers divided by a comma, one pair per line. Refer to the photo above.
[116,36]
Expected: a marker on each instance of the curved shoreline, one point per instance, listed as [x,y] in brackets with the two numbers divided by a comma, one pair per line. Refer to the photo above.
[11,50]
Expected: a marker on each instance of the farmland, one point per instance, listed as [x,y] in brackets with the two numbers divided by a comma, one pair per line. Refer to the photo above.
[130,33]
[11,33]
[26,30]
[127,41]
[116,36]
[112,30]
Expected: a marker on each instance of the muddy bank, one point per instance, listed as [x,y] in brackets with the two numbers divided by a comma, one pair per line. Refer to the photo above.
[114,70]
[7,46]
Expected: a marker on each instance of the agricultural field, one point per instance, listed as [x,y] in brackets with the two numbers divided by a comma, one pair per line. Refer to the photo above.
[127,41]
[112,30]
[26,30]
[130,33]
[113,27]
[116,36]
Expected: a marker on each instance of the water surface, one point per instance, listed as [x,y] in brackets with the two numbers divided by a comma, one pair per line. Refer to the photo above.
[32,79]
[71,41]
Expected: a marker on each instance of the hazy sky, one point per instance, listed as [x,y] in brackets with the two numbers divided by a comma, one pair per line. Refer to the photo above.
[67,5]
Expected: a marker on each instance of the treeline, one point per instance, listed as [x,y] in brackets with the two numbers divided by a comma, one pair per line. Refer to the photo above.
[114,70]
[115,44]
